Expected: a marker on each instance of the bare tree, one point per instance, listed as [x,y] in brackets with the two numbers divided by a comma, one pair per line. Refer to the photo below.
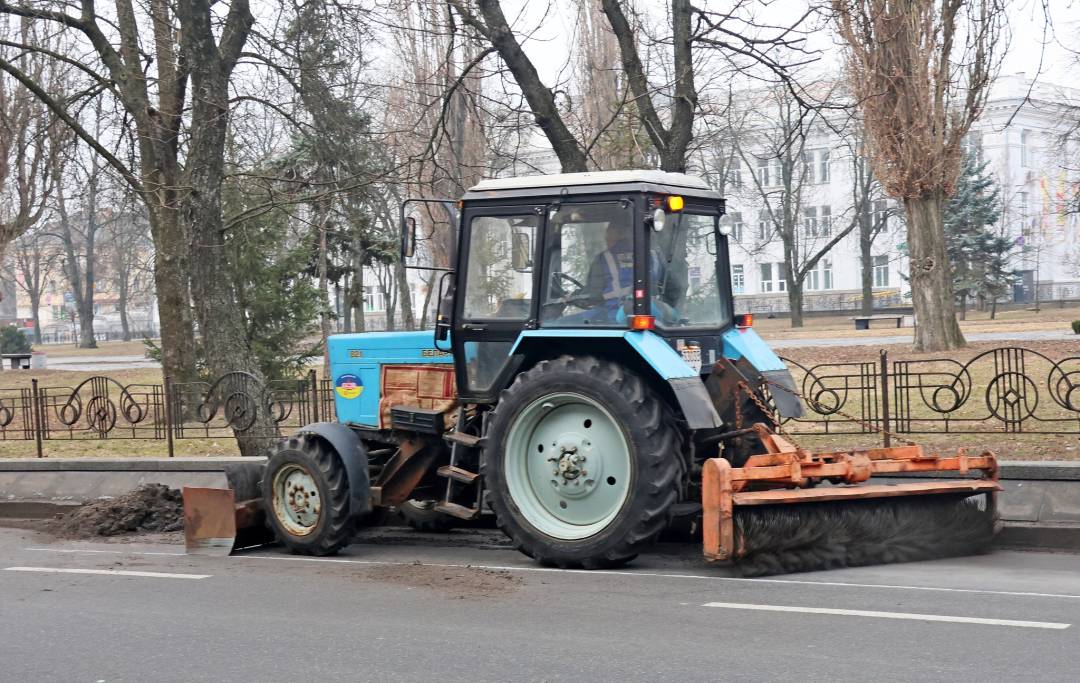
[921,72]
[31,264]
[664,99]
[787,168]
[25,145]
[871,210]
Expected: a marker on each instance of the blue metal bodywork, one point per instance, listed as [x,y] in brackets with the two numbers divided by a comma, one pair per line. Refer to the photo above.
[361,356]
[356,360]
[745,343]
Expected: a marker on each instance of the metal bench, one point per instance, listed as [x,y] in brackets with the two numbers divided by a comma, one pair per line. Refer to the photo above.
[862,322]
[18,361]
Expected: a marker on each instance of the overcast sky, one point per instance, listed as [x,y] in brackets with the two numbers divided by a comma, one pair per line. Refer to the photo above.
[555,25]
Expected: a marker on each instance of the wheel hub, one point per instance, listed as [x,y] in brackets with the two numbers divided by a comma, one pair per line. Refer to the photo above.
[575,472]
[568,465]
[296,501]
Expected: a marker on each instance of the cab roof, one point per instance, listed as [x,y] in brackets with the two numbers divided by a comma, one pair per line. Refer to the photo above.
[593,182]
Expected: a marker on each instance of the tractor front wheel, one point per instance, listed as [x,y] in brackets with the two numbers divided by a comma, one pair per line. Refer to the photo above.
[306,493]
[583,461]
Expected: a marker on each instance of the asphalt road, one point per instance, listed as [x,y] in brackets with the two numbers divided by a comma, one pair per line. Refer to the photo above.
[468,609]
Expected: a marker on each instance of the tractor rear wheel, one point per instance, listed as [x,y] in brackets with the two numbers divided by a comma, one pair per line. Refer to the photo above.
[583,461]
[306,493]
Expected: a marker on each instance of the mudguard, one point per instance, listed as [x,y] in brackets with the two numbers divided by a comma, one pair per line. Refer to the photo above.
[685,382]
[353,454]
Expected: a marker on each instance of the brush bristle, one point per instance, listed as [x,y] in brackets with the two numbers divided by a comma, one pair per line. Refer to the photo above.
[781,539]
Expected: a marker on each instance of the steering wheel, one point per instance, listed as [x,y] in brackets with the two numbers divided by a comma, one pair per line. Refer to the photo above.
[564,276]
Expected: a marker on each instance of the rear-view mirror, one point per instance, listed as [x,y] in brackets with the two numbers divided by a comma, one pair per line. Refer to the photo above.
[408,238]
[522,248]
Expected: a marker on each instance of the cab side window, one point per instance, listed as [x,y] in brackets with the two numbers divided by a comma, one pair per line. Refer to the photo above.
[499,279]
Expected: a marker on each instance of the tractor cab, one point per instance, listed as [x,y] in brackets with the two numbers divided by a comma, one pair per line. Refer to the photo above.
[573,258]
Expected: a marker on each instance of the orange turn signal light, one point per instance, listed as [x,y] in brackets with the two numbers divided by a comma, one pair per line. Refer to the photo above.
[642,322]
[675,203]
[744,320]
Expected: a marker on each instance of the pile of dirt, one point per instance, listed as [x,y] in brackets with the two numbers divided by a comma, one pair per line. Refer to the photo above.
[149,508]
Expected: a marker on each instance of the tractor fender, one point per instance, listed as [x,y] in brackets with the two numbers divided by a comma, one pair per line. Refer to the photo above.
[353,455]
[669,366]
[744,344]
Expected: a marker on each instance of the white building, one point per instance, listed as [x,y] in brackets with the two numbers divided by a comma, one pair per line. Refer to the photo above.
[1019,138]
[1018,134]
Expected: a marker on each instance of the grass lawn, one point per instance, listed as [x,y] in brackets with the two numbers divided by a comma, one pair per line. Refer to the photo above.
[841,326]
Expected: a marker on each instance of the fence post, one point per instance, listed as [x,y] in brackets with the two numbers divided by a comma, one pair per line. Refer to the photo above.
[36,417]
[315,398]
[885,418]
[169,414]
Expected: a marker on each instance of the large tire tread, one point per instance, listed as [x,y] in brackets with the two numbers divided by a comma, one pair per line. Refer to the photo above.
[656,436]
[337,524]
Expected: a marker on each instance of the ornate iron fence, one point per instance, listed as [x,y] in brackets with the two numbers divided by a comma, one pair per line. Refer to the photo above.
[1006,390]
[102,408]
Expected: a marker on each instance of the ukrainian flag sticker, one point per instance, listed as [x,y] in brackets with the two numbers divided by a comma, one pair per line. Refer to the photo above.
[348,386]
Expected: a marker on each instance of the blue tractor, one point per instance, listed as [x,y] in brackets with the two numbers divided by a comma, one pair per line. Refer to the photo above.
[585,364]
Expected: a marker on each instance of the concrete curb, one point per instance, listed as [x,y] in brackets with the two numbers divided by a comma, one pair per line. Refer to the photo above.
[1040,505]
[43,488]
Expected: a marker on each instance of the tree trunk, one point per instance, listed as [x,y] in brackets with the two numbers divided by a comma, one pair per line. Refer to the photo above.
[324,293]
[428,292]
[35,314]
[404,296]
[866,248]
[795,302]
[171,285]
[221,322]
[357,298]
[931,280]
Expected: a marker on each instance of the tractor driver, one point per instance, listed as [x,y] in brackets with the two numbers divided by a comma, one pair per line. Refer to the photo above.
[611,275]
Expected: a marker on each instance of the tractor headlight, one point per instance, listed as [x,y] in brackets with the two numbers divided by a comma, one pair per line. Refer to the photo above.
[659,218]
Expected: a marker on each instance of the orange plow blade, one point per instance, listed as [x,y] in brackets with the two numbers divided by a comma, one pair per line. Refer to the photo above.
[793,510]
[215,524]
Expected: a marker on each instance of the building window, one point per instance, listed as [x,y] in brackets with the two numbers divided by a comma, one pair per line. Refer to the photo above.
[733,175]
[881,270]
[738,279]
[734,220]
[764,228]
[808,166]
[810,221]
[817,221]
[768,271]
[821,276]
[763,172]
[373,299]
[881,214]
[823,165]
[1023,199]
[1025,148]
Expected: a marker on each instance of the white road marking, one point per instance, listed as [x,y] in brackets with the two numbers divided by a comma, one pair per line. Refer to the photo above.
[104,552]
[108,572]
[889,615]
[599,572]
[664,575]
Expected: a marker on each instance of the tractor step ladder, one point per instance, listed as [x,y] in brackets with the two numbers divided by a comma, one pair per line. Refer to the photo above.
[457,477]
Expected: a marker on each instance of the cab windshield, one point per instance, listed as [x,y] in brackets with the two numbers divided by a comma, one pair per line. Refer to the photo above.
[687,292]
[589,256]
